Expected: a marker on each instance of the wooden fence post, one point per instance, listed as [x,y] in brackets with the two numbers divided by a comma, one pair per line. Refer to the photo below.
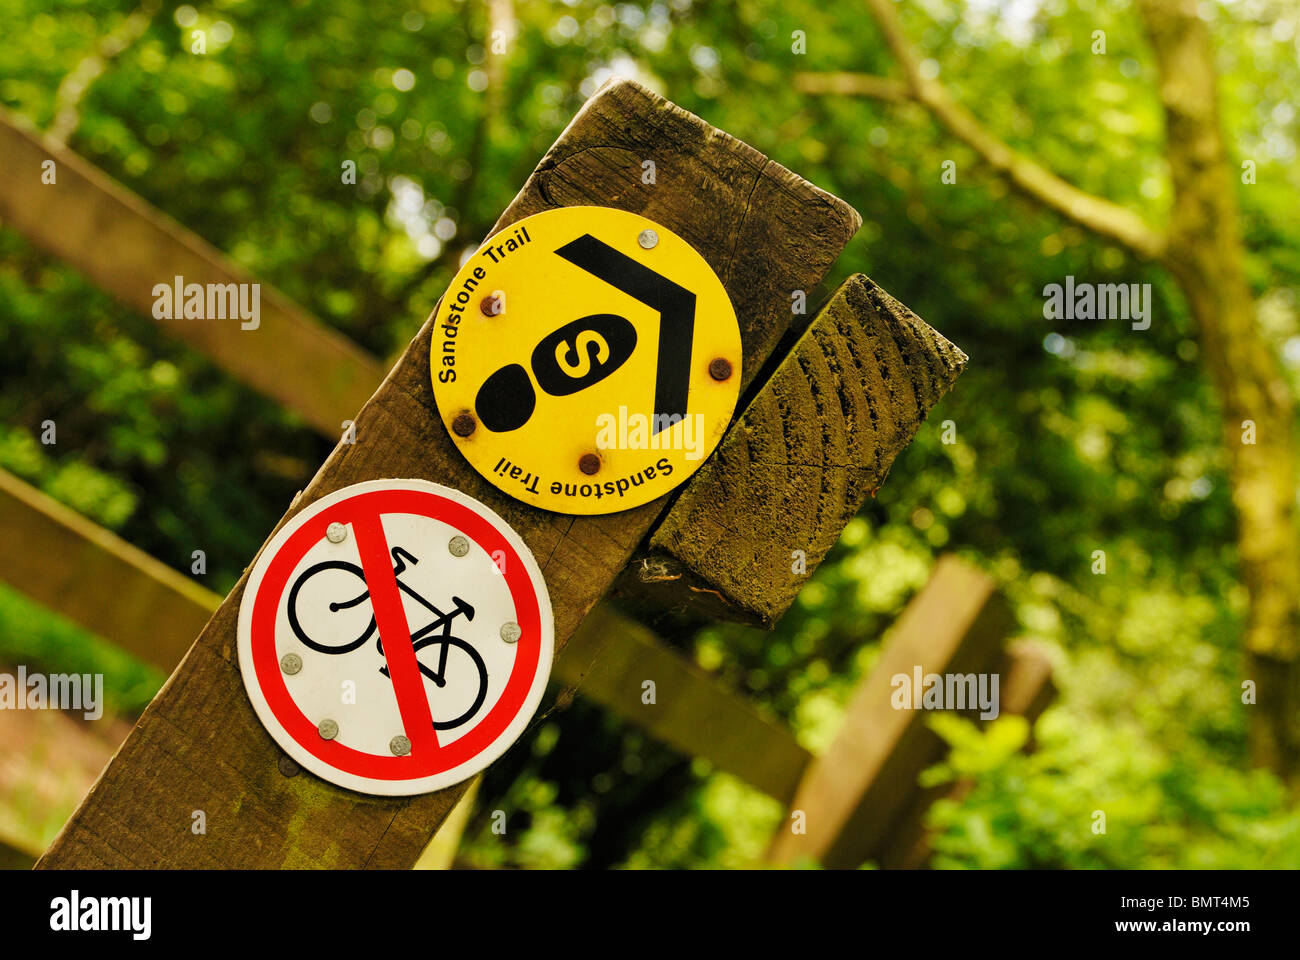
[199,745]
[856,315]
[850,795]
[1026,691]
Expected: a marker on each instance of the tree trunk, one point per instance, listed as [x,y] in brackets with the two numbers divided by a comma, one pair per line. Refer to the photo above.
[1204,252]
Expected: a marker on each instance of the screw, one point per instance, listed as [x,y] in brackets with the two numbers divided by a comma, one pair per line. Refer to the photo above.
[589,463]
[399,745]
[328,729]
[291,663]
[463,425]
[648,239]
[336,533]
[494,304]
[720,368]
[510,632]
[287,765]
[458,546]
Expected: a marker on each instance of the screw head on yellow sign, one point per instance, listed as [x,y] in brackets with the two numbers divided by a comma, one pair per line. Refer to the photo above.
[586,360]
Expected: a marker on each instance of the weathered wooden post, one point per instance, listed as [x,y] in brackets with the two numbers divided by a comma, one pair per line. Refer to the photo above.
[199,747]
[743,538]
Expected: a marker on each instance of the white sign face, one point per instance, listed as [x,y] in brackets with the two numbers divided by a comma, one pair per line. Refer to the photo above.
[395,637]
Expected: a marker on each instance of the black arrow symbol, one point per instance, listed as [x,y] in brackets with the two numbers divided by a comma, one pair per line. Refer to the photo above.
[676,307]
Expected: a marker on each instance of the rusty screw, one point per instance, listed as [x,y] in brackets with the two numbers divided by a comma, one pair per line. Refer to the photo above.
[589,463]
[494,304]
[464,424]
[720,369]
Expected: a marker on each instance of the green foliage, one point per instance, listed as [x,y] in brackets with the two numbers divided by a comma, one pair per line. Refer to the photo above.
[1162,809]
[1072,436]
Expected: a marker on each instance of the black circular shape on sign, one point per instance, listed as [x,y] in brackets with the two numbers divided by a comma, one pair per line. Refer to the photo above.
[582,353]
[506,400]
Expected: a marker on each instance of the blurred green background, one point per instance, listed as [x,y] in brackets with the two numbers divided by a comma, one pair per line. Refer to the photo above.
[1073,436]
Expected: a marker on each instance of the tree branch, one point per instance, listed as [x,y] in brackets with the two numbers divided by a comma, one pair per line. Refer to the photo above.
[1101,216]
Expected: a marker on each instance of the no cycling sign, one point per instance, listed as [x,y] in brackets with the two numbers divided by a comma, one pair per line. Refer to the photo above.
[586,360]
[395,637]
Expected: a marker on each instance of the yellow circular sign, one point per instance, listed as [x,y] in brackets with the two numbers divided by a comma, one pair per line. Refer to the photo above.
[586,360]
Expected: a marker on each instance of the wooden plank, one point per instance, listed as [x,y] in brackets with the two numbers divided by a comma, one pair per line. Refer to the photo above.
[97,579]
[1026,690]
[199,744]
[815,442]
[850,794]
[612,656]
[125,246]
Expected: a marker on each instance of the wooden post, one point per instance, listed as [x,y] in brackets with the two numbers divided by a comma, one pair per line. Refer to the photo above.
[1026,691]
[819,438]
[853,312]
[199,745]
[850,795]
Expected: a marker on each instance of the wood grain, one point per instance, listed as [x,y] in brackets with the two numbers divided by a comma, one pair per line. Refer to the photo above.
[200,746]
[816,441]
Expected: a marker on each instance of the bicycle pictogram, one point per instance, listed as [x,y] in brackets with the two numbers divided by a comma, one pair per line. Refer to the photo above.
[436,634]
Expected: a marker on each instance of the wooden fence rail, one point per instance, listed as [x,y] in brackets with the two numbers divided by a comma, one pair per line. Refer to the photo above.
[125,246]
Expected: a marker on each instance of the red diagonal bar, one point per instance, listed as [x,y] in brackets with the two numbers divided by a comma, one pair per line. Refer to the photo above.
[395,633]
